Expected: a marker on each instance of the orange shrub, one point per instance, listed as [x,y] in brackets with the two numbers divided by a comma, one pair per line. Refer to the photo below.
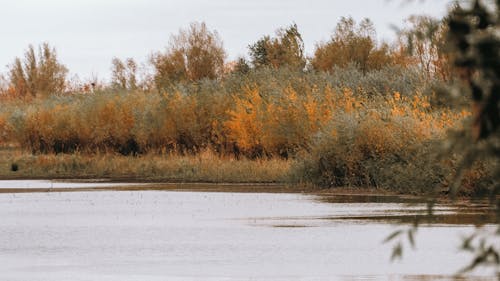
[253,122]
[4,128]
[276,125]
[246,124]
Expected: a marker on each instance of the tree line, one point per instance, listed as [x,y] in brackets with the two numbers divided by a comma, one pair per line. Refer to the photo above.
[196,53]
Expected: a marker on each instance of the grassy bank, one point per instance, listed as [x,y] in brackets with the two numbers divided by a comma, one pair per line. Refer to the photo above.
[203,167]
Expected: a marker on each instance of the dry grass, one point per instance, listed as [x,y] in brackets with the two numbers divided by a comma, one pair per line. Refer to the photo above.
[206,166]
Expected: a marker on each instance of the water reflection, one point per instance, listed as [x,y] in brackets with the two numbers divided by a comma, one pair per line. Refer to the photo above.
[415,210]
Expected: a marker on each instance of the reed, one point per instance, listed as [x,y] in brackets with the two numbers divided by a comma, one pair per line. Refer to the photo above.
[206,166]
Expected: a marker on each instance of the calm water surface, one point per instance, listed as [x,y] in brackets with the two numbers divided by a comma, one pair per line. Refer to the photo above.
[173,235]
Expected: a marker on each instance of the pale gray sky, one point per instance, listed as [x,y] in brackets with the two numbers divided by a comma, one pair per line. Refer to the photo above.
[89,33]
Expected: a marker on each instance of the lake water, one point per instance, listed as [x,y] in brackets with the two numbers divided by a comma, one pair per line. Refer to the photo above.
[179,235]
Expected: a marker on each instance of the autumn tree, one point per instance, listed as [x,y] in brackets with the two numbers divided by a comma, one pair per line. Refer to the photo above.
[124,74]
[352,44]
[241,66]
[4,85]
[40,74]
[286,49]
[193,54]
[425,37]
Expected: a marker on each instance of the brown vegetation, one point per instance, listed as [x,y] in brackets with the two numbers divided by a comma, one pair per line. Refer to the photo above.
[206,166]
[351,44]
[37,75]
[193,54]
[361,114]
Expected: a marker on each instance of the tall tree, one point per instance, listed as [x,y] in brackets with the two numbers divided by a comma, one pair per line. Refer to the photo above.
[426,40]
[38,75]
[352,44]
[286,49]
[124,74]
[193,54]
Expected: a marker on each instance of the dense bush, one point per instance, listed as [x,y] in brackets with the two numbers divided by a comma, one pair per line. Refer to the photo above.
[265,113]
[390,143]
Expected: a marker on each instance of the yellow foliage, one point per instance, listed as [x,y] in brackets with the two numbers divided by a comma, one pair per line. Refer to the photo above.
[245,124]
[377,137]
[4,129]
[252,122]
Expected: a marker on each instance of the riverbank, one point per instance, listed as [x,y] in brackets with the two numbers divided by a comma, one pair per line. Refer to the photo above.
[204,171]
[202,167]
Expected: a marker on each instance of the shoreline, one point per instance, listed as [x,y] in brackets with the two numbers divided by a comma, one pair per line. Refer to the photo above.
[139,184]
[463,210]
[471,210]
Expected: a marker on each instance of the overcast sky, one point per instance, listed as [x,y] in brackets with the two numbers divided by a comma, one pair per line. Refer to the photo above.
[89,33]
